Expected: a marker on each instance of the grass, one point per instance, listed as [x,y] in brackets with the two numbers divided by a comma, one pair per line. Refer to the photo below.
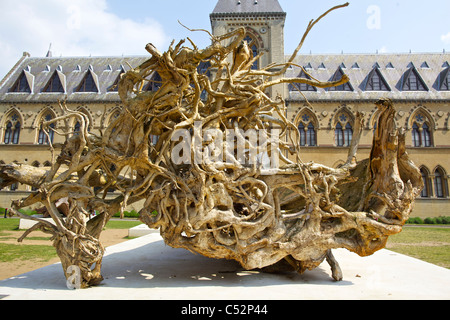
[122,224]
[40,253]
[14,252]
[8,225]
[430,244]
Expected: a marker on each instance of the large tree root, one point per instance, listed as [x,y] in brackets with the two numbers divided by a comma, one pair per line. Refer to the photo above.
[206,182]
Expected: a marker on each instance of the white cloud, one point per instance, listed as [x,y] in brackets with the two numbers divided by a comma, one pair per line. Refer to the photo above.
[446,38]
[383,49]
[75,28]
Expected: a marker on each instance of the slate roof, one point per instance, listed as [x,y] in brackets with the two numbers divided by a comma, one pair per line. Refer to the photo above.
[432,68]
[245,7]
[71,71]
[393,67]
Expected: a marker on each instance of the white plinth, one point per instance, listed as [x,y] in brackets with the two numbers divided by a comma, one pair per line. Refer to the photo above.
[140,230]
[25,224]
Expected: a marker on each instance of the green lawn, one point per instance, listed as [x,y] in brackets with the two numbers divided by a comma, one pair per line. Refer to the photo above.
[42,253]
[9,225]
[431,244]
[13,252]
[122,224]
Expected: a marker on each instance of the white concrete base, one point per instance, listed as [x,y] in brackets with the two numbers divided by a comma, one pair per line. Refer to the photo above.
[25,224]
[145,268]
[140,230]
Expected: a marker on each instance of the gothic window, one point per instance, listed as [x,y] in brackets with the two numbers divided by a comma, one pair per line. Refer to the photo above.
[114,116]
[302,86]
[77,128]
[307,130]
[426,185]
[348,134]
[311,135]
[54,84]
[339,135]
[252,45]
[412,81]
[115,86]
[204,68]
[376,81]
[426,135]
[88,83]
[444,80]
[155,83]
[421,131]
[336,77]
[14,186]
[416,135]
[440,183]
[12,130]
[301,130]
[343,132]
[44,136]
[21,85]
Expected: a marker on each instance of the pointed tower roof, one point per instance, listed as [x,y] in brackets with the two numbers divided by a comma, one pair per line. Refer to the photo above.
[49,52]
[245,7]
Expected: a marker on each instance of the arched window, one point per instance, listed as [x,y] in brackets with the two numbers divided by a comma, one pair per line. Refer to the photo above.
[8,132]
[155,83]
[43,137]
[12,130]
[307,130]
[421,131]
[301,130]
[14,186]
[426,185]
[311,135]
[343,133]
[440,183]
[426,135]
[348,134]
[252,45]
[416,135]
[114,116]
[339,135]
[77,128]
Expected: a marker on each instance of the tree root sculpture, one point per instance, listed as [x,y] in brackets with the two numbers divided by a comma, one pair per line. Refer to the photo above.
[225,178]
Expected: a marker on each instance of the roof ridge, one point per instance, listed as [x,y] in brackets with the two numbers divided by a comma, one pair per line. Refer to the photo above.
[247,7]
[13,69]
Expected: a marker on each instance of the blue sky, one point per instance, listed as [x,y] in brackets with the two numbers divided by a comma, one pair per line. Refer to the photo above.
[116,27]
[404,25]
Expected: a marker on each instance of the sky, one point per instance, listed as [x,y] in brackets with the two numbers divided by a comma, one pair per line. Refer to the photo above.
[118,27]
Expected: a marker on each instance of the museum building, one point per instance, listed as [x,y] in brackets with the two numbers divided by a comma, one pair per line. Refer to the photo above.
[418,84]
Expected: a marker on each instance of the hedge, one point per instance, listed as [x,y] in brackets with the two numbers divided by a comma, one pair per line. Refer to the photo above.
[435,220]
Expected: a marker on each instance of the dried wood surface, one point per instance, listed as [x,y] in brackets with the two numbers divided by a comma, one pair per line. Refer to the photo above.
[232,209]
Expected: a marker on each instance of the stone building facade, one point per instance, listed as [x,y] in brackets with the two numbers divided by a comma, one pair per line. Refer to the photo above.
[419,85]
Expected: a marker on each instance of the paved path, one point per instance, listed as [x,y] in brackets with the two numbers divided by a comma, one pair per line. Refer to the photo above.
[145,268]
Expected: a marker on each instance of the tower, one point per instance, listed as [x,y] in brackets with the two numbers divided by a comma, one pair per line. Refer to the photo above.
[264,21]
